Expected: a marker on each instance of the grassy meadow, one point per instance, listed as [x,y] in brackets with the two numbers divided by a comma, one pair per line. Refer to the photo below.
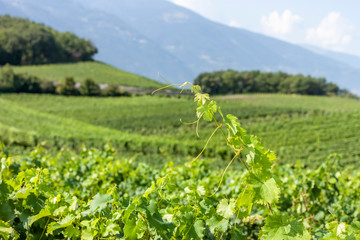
[97,71]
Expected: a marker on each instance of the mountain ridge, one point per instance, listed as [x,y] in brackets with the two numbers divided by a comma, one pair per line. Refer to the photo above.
[159,36]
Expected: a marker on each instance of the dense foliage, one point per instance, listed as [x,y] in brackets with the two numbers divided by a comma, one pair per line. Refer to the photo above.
[23,42]
[12,82]
[95,195]
[232,82]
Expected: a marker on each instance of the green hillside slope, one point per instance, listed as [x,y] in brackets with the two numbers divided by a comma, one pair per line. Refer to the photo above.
[99,72]
[297,127]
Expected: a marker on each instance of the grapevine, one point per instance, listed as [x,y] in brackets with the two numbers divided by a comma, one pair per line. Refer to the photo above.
[95,195]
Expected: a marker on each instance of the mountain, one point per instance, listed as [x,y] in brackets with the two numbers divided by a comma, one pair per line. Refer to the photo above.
[351,60]
[147,37]
[119,43]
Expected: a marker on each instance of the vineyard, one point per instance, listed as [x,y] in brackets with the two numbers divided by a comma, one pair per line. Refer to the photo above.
[297,128]
[95,194]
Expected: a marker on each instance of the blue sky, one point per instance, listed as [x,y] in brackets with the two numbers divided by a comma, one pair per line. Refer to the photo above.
[329,24]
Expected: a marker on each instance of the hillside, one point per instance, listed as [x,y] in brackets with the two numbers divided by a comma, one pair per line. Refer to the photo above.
[147,37]
[99,72]
[119,43]
[297,128]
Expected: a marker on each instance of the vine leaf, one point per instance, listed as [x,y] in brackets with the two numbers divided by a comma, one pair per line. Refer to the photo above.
[267,192]
[217,224]
[43,213]
[197,230]
[5,230]
[67,221]
[226,208]
[134,229]
[283,227]
[98,203]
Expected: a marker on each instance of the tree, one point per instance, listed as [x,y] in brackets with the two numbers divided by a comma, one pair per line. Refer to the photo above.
[66,87]
[230,82]
[47,87]
[332,89]
[9,81]
[89,88]
[23,42]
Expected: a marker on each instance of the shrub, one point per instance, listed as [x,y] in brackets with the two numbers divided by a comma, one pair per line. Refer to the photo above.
[67,87]
[89,88]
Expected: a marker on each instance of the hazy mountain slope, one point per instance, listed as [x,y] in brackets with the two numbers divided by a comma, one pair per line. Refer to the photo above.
[207,46]
[118,43]
[349,59]
[147,37]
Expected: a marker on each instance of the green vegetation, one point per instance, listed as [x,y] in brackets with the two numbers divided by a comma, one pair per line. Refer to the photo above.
[23,42]
[11,82]
[233,82]
[95,195]
[99,72]
[232,188]
[297,128]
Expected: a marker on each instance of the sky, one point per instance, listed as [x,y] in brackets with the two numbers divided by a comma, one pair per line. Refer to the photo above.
[328,24]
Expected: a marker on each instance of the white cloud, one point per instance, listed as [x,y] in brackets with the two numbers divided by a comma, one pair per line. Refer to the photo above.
[277,23]
[333,32]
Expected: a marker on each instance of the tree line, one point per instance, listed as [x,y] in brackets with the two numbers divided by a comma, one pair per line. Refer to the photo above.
[23,42]
[234,82]
[11,82]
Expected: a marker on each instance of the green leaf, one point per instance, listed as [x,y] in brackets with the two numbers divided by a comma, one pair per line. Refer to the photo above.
[232,123]
[226,208]
[22,193]
[67,221]
[201,98]
[5,230]
[342,231]
[355,226]
[197,230]
[112,229]
[204,112]
[283,227]
[267,192]
[86,234]
[245,201]
[134,229]
[155,219]
[237,235]
[98,203]
[72,232]
[195,89]
[217,224]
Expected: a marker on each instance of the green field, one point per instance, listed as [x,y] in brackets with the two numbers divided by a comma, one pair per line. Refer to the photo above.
[297,128]
[99,72]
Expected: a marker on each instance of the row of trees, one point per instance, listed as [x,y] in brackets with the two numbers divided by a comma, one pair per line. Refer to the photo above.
[11,82]
[88,88]
[23,42]
[232,82]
